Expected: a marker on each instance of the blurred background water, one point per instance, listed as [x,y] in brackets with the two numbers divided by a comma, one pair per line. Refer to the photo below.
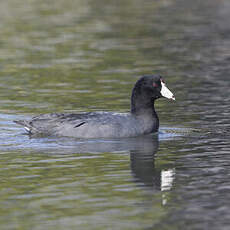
[85,55]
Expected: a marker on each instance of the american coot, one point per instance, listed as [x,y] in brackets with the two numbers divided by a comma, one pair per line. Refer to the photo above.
[141,120]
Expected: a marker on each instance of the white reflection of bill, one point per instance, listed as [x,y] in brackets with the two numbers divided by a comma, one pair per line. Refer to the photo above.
[167,177]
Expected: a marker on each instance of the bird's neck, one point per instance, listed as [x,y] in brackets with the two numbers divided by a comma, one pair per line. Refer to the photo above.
[142,107]
[146,115]
[142,104]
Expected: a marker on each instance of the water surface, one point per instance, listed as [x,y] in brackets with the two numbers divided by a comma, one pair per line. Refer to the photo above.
[86,56]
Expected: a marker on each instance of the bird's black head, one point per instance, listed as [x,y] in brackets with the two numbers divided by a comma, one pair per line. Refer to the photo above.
[147,89]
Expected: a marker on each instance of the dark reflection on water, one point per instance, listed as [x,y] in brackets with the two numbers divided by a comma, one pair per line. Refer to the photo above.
[93,179]
[85,56]
[142,164]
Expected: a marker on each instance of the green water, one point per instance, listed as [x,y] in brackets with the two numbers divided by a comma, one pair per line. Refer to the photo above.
[85,55]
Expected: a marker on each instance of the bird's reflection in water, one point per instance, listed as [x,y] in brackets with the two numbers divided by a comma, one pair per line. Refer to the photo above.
[142,161]
[146,173]
[143,149]
[144,169]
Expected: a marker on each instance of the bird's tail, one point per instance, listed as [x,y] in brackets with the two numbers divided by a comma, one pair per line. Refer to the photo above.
[25,124]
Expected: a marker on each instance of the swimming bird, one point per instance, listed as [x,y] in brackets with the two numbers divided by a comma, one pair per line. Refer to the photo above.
[142,118]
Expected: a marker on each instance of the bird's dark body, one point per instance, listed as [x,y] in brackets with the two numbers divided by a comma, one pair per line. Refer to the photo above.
[141,120]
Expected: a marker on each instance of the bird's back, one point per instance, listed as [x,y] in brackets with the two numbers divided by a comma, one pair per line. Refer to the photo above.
[84,125]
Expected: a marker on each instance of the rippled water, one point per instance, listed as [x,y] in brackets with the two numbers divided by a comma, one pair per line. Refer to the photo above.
[85,56]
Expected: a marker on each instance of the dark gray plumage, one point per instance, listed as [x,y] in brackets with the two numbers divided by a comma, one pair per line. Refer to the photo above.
[141,120]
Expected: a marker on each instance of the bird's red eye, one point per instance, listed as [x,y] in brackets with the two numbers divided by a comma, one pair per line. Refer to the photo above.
[155,84]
